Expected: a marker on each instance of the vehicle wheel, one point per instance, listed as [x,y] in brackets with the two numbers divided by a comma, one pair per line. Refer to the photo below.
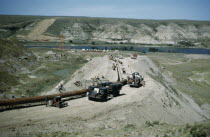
[104,98]
[118,93]
[89,98]
[114,94]
[58,105]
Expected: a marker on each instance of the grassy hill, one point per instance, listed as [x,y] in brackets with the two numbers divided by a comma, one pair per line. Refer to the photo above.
[14,59]
[30,72]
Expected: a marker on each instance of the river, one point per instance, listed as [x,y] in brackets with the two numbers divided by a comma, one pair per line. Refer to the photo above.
[145,49]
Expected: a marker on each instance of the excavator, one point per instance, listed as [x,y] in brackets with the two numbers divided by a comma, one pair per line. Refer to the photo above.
[137,80]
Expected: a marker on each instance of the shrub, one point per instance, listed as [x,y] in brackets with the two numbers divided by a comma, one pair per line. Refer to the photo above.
[199,131]
[153,50]
[129,127]
[149,124]
[93,43]
[156,122]
[186,43]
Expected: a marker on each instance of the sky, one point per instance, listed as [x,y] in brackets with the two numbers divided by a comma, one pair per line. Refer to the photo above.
[137,9]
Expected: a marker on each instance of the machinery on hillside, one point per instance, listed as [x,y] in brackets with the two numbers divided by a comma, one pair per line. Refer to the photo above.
[137,80]
[113,88]
[103,90]
[99,93]
[56,102]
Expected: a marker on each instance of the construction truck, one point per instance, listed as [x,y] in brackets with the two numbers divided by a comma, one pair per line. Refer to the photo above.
[98,93]
[134,56]
[56,102]
[137,80]
[113,88]
[103,90]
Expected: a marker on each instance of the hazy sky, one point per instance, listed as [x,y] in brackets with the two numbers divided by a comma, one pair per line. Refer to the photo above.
[140,9]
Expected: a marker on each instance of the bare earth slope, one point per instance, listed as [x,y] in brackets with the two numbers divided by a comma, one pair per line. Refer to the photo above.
[183,33]
[37,33]
[156,101]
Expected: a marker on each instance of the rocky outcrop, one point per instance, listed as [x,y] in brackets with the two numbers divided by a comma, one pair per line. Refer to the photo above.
[106,30]
[189,33]
[163,34]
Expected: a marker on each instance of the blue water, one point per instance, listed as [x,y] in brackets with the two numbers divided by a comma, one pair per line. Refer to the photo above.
[146,49]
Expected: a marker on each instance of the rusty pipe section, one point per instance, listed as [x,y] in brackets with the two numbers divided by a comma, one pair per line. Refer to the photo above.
[16,101]
[129,81]
[124,82]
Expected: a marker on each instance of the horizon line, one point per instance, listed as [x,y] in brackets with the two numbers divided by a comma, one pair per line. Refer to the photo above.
[99,17]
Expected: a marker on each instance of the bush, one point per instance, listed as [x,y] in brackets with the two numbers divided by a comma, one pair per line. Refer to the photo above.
[149,124]
[124,49]
[165,135]
[156,122]
[7,81]
[143,51]
[171,51]
[153,50]
[186,43]
[131,48]
[199,131]
[129,127]
[93,43]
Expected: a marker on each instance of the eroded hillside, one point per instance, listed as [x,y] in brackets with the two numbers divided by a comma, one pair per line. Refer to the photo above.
[14,59]
[29,72]
[106,30]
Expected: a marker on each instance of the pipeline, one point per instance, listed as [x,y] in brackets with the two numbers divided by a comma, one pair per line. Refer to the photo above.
[118,74]
[16,101]
[35,99]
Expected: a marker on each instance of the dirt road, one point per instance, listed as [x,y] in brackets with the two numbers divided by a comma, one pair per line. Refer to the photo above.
[156,101]
[37,33]
[41,27]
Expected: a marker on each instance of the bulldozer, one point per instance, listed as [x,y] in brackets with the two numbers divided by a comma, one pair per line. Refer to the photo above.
[137,80]
[56,102]
[103,90]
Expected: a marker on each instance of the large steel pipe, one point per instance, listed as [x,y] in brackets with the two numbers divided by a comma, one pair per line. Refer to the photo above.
[16,101]
[124,82]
